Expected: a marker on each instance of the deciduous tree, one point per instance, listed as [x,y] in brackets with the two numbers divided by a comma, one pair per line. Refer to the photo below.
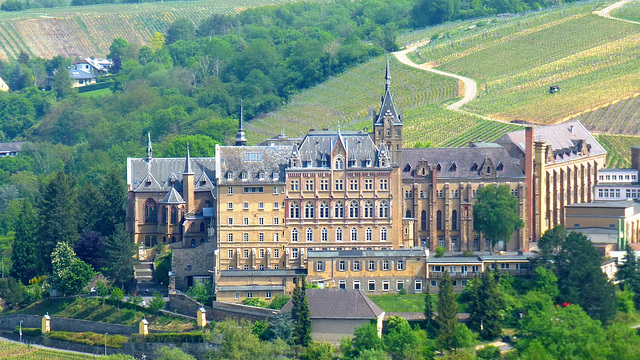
[495,213]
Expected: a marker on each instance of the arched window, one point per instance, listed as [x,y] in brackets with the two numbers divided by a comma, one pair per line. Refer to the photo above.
[324,210]
[309,235]
[339,210]
[294,210]
[164,214]
[309,210]
[369,236]
[339,164]
[294,235]
[201,241]
[150,211]
[454,220]
[154,241]
[174,215]
[339,234]
[383,234]
[164,239]
[354,210]
[147,241]
[324,234]
[354,234]
[384,209]
[368,209]
[201,227]
[193,242]
[439,220]
[423,220]
[408,214]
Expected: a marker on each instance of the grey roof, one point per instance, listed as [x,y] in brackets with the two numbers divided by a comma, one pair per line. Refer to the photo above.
[250,288]
[80,75]
[616,204]
[367,253]
[455,260]
[617,171]
[318,146]
[161,172]
[253,161]
[281,140]
[11,146]
[565,139]
[388,107]
[465,159]
[523,257]
[261,273]
[172,197]
[599,235]
[339,304]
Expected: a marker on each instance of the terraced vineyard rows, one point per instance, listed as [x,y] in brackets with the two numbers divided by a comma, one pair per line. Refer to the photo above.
[618,149]
[348,99]
[88,30]
[619,117]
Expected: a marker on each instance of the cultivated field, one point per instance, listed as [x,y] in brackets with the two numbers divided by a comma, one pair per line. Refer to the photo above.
[348,100]
[631,11]
[618,149]
[619,117]
[13,351]
[592,59]
[81,31]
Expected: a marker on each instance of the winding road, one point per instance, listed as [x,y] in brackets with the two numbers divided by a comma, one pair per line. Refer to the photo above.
[470,86]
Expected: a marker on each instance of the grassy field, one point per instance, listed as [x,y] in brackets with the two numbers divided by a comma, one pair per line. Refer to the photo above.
[11,351]
[348,99]
[618,149]
[592,59]
[80,31]
[97,93]
[92,309]
[409,302]
[630,11]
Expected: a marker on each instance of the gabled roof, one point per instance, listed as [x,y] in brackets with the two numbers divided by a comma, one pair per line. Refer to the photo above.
[162,169]
[339,304]
[80,75]
[172,197]
[318,146]
[252,160]
[388,108]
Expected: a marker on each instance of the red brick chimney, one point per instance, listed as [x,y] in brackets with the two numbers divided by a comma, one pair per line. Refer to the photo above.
[529,175]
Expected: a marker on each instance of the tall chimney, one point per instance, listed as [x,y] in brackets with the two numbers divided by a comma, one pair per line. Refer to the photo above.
[528,175]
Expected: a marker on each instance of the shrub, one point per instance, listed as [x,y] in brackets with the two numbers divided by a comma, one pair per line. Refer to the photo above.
[440,251]
[193,337]
[89,338]
[279,301]
[28,331]
[255,302]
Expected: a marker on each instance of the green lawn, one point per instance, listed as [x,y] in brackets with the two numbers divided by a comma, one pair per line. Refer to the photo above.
[97,93]
[409,302]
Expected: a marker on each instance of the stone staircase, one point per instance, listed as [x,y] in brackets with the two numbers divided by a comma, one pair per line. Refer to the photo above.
[143,271]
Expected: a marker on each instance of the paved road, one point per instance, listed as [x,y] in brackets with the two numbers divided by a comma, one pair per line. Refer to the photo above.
[606,12]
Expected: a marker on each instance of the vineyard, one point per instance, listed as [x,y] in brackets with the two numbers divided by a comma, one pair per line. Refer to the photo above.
[619,117]
[631,11]
[348,99]
[618,149]
[592,59]
[82,31]
[13,351]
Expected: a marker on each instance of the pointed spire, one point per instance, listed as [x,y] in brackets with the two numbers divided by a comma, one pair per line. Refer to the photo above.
[187,165]
[241,140]
[387,76]
[149,148]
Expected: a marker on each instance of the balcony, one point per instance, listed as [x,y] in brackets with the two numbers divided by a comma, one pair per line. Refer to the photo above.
[456,275]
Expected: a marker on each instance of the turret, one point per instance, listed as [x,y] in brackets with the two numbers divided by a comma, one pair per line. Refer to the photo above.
[241,140]
[188,184]
[149,148]
[387,124]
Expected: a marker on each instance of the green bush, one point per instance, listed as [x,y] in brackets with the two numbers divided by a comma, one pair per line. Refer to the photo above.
[440,251]
[89,338]
[256,302]
[193,337]
[28,331]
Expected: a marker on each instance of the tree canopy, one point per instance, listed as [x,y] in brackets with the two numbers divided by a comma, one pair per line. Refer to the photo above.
[495,213]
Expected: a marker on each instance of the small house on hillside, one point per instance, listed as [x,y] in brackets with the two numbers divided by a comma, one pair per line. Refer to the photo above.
[3,85]
[96,67]
[82,78]
[337,312]
[10,148]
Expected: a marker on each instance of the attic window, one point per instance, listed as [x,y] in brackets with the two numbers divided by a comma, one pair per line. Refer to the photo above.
[261,175]
[229,175]
[368,163]
[352,163]
[275,176]
[474,167]
[203,182]
[500,167]
[147,183]
[453,167]
[407,168]
[438,168]
[243,175]
[253,156]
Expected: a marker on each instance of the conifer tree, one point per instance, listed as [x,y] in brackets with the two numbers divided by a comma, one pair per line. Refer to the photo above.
[58,220]
[428,310]
[486,304]
[89,217]
[114,193]
[629,276]
[24,251]
[301,315]
[447,309]
[120,261]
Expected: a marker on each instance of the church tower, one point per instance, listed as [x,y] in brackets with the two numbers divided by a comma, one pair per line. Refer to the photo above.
[241,140]
[387,124]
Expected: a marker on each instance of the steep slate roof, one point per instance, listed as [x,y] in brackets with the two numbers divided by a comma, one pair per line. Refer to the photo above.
[464,159]
[417,252]
[339,304]
[14,146]
[318,146]
[172,197]
[251,160]
[563,138]
[161,170]
[388,107]
[80,75]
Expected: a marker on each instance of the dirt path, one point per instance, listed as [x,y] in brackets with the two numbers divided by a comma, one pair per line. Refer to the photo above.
[606,12]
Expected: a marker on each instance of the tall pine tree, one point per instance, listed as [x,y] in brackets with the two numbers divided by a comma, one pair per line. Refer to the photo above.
[58,220]
[301,315]
[120,251]
[629,275]
[428,311]
[24,251]
[114,193]
[447,311]
[486,305]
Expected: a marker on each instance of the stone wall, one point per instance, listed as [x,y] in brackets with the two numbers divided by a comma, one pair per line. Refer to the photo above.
[185,305]
[9,322]
[189,262]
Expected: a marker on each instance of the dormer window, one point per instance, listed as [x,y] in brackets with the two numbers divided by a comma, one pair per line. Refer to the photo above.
[500,167]
[203,182]
[339,164]
[229,175]
[453,167]
[275,176]
[261,175]
[488,170]
[243,175]
[407,168]
[438,168]
[474,167]
[352,163]
[368,163]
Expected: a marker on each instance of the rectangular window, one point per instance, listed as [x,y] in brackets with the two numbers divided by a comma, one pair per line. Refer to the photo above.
[276,205]
[399,285]
[276,221]
[294,253]
[260,221]
[434,283]
[276,238]
[276,253]
[252,156]
[309,185]
[230,206]
[237,296]
[294,185]
[504,266]
[246,206]
[319,265]
[418,285]
[342,284]
[261,237]
[356,265]
[353,185]
[356,284]
[368,184]
[245,237]
[230,237]
[245,253]
[384,184]
[245,221]
[230,254]
[454,283]
[464,283]
[400,265]
[230,190]
[253,189]
[275,190]
[324,185]
[249,295]
[436,268]
[372,265]
[245,267]
[260,206]
[230,221]
[342,265]
[339,186]
[261,253]
[276,267]
[372,285]
[385,265]
[385,285]
[267,295]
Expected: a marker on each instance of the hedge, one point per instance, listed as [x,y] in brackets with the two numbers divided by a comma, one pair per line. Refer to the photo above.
[193,337]
[89,338]
[28,331]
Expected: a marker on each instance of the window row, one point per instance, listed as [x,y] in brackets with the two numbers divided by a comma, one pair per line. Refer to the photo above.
[245,221]
[454,283]
[339,185]
[339,235]
[385,285]
[616,177]
[260,267]
[244,175]
[357,265]
[353,210]
[151,213]
[610,193]
[261,237]
[253,189]
[245,205]
[250,294]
